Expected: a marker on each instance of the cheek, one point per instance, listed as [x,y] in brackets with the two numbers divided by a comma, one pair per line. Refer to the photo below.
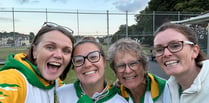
[141,72]
[67,59]
[77,70]
[159,60]
[119,75]
[101,64]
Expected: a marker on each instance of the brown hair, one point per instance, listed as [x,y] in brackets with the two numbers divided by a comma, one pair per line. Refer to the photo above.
[93,40]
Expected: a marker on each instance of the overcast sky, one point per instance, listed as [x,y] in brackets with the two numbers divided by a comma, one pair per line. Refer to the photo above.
[88,24]
[121,5]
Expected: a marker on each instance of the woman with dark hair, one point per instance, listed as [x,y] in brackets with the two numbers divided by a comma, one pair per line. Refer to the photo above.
[180,56]
[89,64]
[33,77]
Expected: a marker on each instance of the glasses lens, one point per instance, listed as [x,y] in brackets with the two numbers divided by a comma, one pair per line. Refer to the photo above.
[158,51]
[78,60]
[120,68]
[93,57]
[132,65]
[175,46]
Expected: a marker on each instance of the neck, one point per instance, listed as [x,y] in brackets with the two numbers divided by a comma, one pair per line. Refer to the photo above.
[138,92]
[187,78]
[90,89]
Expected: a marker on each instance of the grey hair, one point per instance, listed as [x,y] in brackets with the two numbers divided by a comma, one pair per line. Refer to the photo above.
[126,45]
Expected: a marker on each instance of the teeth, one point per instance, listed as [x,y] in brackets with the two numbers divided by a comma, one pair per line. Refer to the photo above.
[128,78]
[56,64]
[91,72]
[171,63]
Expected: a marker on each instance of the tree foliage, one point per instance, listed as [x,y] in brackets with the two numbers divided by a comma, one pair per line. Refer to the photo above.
[163,11]
[31,36]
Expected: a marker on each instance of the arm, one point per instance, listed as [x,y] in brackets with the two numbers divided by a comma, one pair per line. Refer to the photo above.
[12,87]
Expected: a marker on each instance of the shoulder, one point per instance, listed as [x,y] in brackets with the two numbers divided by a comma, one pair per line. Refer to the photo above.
[12,85]
[67,93]
[67,89]
[12,76]
[156,78]
[117,99]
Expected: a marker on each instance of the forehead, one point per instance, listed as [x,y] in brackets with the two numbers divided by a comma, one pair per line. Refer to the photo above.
[57,37]
[123,56]
[85,48]
[54,34]
[167,36]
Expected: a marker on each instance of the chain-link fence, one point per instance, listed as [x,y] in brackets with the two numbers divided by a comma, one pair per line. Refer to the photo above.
[17,24]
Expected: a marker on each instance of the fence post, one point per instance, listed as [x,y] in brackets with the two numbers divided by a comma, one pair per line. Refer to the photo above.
[46,15]
[126,24]
[208,40]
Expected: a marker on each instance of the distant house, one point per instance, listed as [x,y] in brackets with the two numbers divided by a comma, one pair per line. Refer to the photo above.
[18,41]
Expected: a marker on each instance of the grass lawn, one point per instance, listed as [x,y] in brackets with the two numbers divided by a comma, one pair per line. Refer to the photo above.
[8,50]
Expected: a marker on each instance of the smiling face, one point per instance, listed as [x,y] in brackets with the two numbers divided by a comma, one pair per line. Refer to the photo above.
[52,54]
[175,63]
[130,78]
[89,73]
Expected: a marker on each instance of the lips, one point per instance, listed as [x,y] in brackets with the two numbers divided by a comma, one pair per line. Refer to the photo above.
[90,72]
[53,66]
[173,62]
[128,78]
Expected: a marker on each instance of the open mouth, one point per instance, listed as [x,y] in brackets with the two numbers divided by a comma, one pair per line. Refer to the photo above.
[53,66]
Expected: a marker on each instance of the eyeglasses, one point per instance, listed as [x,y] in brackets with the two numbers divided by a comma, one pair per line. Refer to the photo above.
[133,65]
[173,47]
[51,24]
[92,57]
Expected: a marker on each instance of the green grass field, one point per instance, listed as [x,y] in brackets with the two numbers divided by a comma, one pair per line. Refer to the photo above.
[5,51]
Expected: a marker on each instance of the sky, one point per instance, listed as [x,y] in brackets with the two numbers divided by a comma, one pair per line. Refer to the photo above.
[133,6]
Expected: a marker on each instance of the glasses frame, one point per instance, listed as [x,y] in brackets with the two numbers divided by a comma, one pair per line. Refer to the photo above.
[86,57]
[182,46]
[52,24]
[124,65]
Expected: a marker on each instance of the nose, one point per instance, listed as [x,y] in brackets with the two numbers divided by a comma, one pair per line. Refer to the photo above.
[166,52]
[58,54]
[86,62]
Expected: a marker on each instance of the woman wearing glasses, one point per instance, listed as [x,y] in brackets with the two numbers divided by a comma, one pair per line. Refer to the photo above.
[33,77]
[89,66]
[180,56]
[129,63]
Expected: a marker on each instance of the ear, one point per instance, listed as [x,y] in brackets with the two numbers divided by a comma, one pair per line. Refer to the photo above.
[34,51]
[196,51]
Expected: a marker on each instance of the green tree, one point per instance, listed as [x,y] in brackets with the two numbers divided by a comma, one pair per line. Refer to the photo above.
[31,36]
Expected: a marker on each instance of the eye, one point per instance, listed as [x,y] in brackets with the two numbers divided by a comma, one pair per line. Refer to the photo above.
[78,60]
[122,66]
[67,51]
[174,45]
[93,57]
[133,64]
[49,47]
[159,49]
